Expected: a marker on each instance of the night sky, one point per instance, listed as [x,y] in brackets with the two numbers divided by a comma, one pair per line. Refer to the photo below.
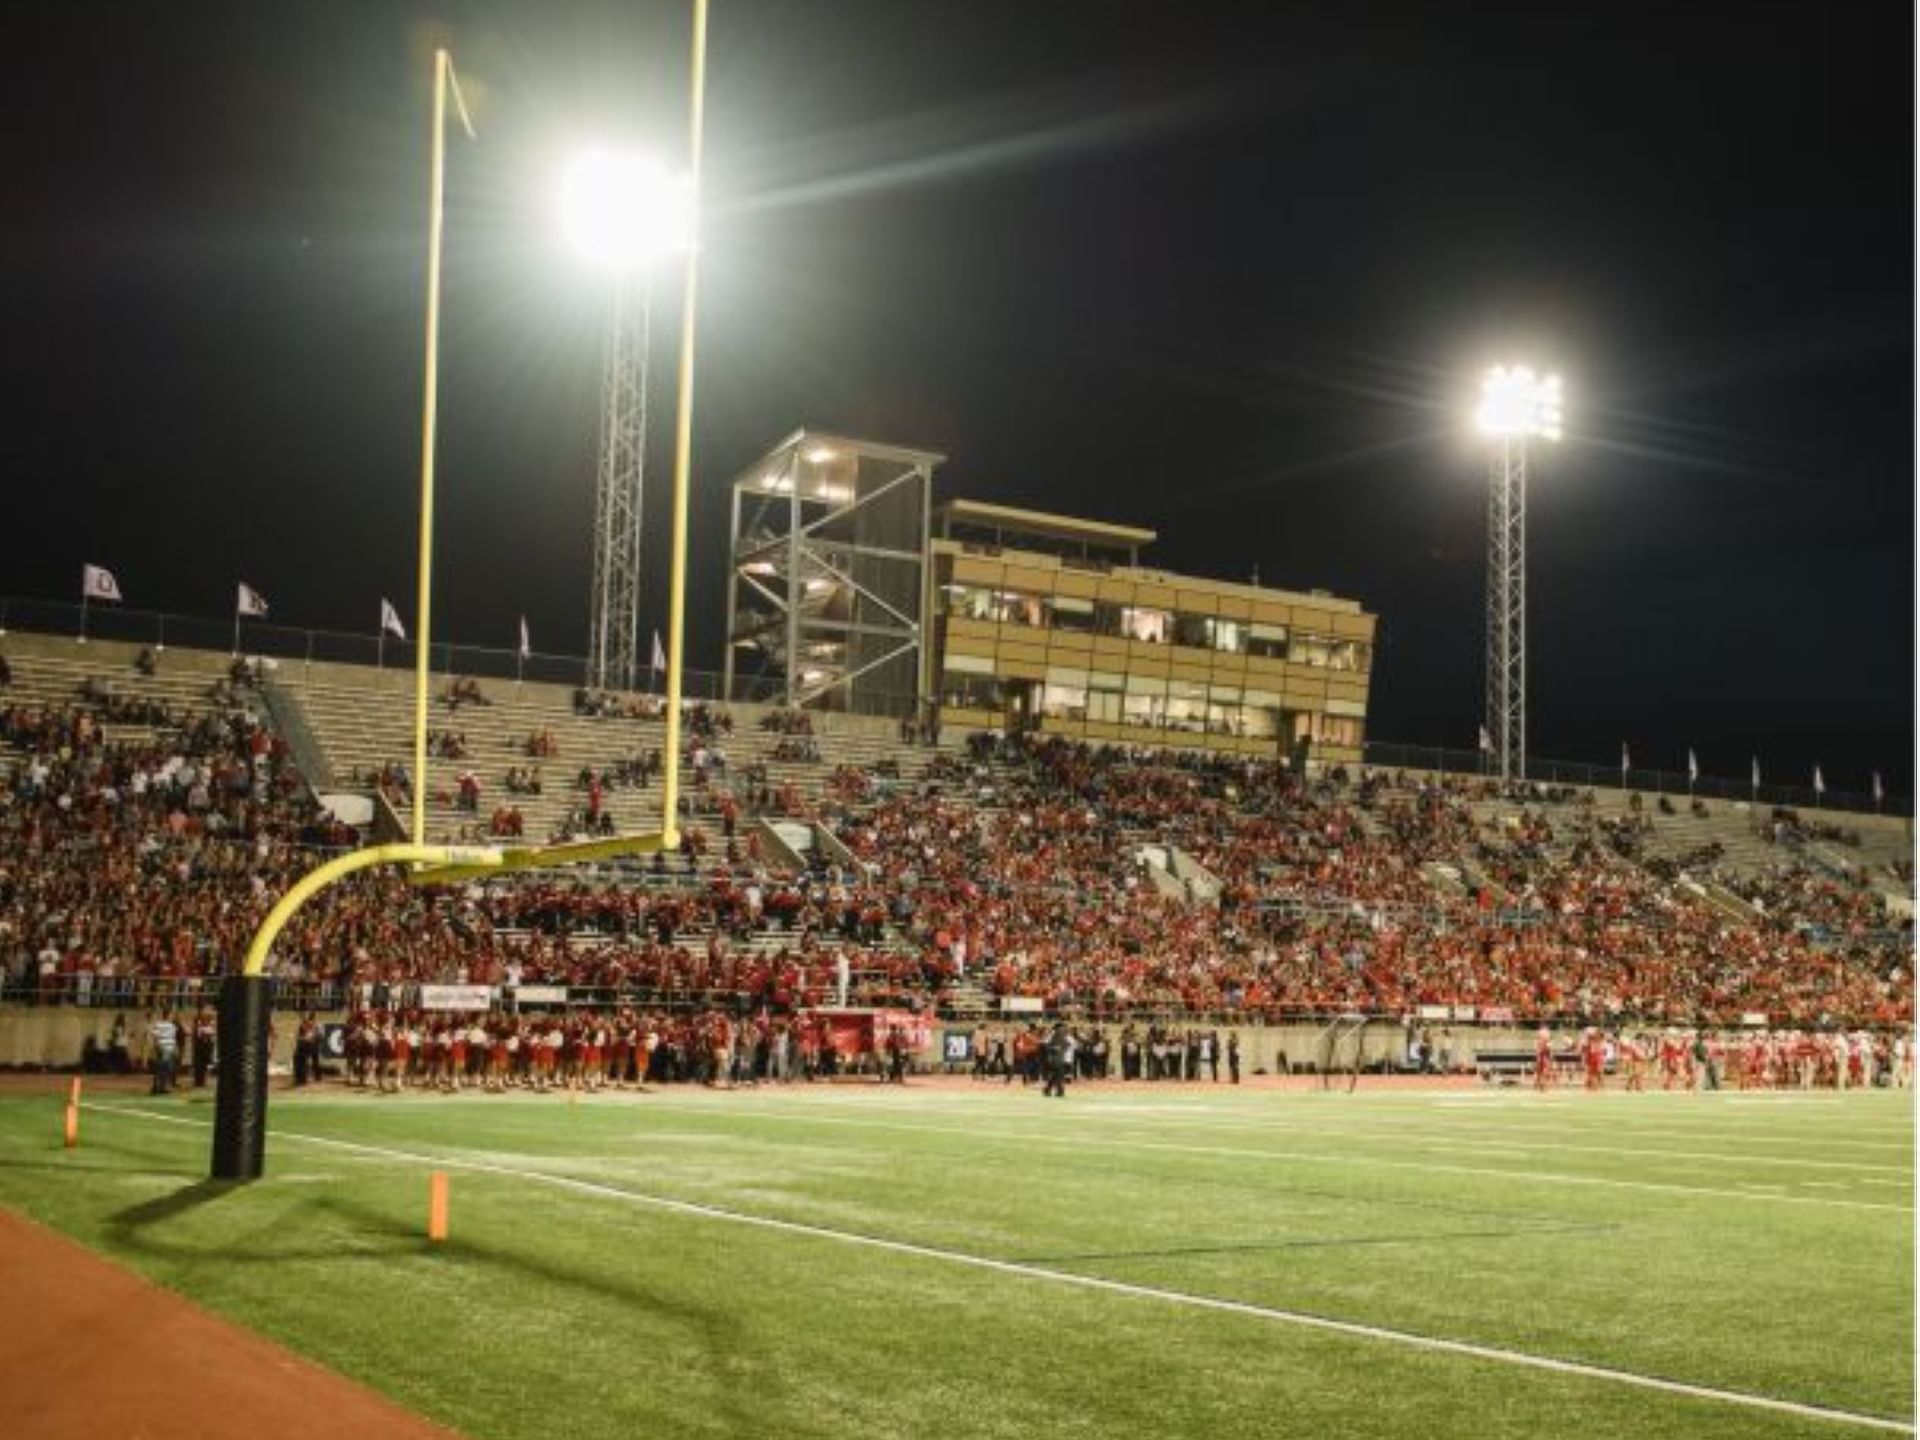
[1230,272]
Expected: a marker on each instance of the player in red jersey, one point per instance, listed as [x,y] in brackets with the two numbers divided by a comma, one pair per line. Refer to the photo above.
[1672,1052]
[593,1051]
[1593,1051]
[1542,1058]
[456,1054]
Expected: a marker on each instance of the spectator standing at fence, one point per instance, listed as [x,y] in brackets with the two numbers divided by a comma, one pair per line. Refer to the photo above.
[163,1035]
[1233,1056]
[202,1052]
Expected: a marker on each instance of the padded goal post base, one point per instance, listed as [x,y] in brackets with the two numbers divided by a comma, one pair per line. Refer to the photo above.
[240,1102]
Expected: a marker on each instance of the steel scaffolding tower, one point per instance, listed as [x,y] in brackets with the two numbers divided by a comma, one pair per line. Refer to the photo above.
[1507,610]
[828,600]
[613,638]
[1515,404]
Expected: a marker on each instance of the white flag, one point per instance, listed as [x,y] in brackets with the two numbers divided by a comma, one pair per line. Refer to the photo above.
[1486,741]
[250,601]
[1626,762]
[98,584]
[659,653]
[1819,782]
[1756,772]
[526,645]
[1879,793]
[390,620]
[1693,766]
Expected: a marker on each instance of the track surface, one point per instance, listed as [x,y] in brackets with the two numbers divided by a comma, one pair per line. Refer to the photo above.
[109,1354]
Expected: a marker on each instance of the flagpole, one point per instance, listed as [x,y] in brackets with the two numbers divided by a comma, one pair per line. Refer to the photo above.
[83,614]
[236,628]
[682,446]
[428,412]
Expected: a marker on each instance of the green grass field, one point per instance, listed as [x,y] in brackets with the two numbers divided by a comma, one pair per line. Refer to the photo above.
[1758,1247]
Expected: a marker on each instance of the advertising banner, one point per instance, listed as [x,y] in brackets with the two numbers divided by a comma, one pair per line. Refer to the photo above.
[456,997]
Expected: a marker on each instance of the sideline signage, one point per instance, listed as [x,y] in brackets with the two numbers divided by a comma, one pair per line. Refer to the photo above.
[333,1042]
[956,1046]
[456,997]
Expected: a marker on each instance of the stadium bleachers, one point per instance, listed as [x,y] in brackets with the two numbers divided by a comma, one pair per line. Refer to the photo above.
[963,874]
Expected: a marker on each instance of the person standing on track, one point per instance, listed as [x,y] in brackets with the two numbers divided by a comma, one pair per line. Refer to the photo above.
[1543,1059]
[164,1036]
[1058,1055]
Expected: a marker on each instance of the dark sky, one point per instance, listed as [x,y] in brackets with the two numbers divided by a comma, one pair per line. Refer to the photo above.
[1230,272]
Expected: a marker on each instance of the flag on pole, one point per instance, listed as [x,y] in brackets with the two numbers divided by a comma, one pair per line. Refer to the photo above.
[390,620]
[1693,766]
[1626,760]
[526,644]
[1486,741]
[1879,793]
[249,601]
[1819,782]
[659,654]
[1756,772]
[97,583]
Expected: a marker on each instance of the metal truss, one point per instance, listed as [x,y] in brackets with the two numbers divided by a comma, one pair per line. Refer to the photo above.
[614,633]
[1506,722]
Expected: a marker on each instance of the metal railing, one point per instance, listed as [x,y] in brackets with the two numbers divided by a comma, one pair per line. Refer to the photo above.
[1388,755]
[309,646]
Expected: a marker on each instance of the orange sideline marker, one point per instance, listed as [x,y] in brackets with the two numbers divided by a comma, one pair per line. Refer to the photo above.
[73,1126]
[437,1207]
[73,1095]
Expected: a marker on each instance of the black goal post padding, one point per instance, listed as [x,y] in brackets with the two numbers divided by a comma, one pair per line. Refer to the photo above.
[240,1102]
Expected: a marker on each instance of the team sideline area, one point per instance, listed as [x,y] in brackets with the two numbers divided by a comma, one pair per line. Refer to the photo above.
[971,1260]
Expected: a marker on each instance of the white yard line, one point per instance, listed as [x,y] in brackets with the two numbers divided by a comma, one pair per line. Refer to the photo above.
[1551,1177]
[1503,1139]
[1303,1319]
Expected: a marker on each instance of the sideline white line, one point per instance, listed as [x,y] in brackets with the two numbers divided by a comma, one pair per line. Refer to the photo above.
[1547,1177]
[1410,1132]
[1301,1318]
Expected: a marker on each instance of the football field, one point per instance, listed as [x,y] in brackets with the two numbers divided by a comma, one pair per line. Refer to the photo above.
[973,1260]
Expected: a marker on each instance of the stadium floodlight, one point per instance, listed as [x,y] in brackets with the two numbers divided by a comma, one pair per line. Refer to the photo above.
[1516,404]
[623,212]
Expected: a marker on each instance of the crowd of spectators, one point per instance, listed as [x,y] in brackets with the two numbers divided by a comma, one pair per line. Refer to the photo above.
[1028,867]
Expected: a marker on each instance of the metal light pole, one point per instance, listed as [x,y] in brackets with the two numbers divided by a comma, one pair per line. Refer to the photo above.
[623,213]
[620,489]
[1515,404]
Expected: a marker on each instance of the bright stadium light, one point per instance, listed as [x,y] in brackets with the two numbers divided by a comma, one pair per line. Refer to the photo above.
[1516,405]
[1515,401]
[625,211]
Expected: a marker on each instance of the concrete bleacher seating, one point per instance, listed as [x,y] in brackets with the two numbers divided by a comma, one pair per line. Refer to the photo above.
[43,676]
[363,719]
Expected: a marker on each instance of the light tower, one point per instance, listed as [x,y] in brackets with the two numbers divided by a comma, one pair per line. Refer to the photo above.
[622,213]
[1515,404]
